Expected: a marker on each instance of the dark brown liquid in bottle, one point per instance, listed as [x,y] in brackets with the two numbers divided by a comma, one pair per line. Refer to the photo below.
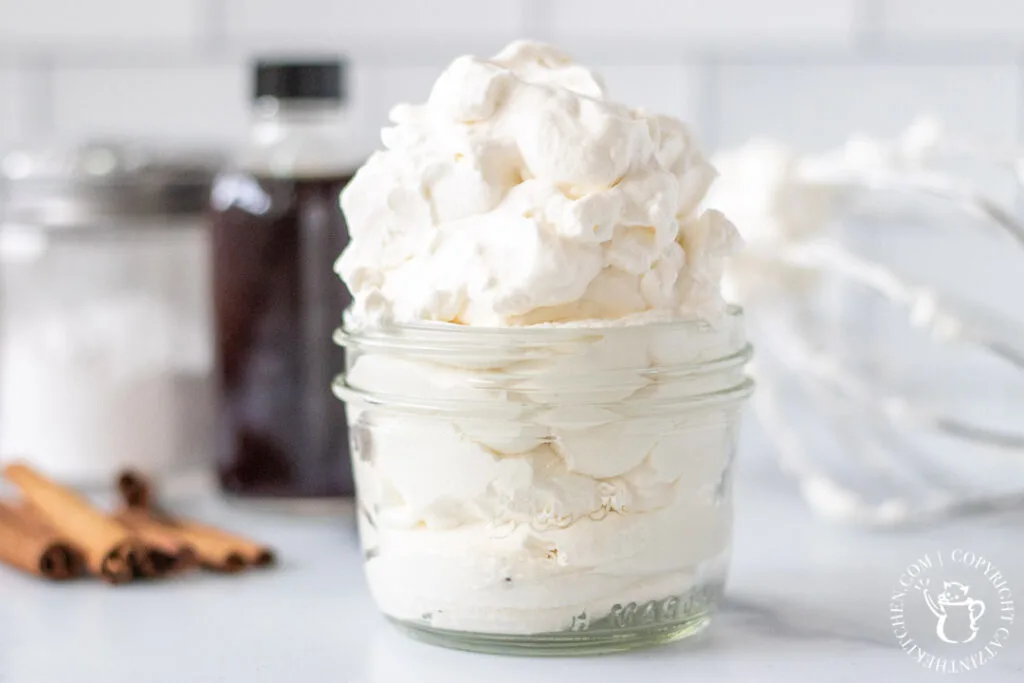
[282,434]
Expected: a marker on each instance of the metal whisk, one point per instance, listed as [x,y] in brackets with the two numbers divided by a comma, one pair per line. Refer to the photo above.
[891,398]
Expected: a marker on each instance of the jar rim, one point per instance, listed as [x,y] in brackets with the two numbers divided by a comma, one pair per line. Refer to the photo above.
[346,335]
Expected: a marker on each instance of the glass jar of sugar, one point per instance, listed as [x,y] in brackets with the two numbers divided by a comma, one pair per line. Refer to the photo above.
[105,332]
[550,489]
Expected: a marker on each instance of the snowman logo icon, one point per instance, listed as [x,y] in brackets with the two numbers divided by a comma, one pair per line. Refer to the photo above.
[956,614]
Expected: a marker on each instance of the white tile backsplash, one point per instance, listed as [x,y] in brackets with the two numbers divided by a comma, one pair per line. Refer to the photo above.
[807,70]
[63,24]
[730,22]
[13,107]
[369,20]
[677,91]
[816,106]
[375,89]
[195,104]
[953,20]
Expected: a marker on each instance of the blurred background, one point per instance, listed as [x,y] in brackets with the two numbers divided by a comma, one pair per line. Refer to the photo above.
[808,71]
[108,351]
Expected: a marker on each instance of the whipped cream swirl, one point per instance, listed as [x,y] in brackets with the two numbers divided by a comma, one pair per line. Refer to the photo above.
[520,194]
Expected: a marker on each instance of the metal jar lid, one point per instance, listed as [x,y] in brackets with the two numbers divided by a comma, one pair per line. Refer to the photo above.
[86,186]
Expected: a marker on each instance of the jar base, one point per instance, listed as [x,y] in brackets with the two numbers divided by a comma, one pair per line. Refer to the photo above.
[567,643]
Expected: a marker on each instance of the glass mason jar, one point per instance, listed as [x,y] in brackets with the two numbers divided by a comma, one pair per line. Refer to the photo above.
[546,490]
[106,352]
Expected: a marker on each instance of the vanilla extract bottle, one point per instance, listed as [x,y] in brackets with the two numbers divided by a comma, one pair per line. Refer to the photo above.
[277,229]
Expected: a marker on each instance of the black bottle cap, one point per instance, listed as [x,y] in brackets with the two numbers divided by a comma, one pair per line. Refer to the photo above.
[300,80]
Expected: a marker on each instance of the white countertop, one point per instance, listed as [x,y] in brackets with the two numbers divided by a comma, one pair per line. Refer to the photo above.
[806,602]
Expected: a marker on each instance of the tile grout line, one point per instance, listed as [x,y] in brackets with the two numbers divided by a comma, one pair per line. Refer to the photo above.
[868,43]
[1019,66]
[212,44]
[709,74]
[534,20]
[214,31]
[868,39]
[868,23]
[1019,132]
[40,111]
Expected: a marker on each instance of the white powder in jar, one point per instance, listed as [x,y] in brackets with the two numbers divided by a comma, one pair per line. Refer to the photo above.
[90,389]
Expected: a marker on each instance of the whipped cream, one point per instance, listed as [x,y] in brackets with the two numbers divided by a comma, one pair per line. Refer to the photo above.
[520,194]
[550,473]
[544,485]
[765,189]
[780,197]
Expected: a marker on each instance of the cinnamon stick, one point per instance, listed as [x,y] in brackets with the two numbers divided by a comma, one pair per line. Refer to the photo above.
[214,554]
[168,552]
[27,516]
[148,562]
[37,549]
[135,490]
[111,551]
[222,551]
[217,549]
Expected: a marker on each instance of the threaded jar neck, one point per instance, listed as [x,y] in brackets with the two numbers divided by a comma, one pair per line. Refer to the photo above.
[441,368]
